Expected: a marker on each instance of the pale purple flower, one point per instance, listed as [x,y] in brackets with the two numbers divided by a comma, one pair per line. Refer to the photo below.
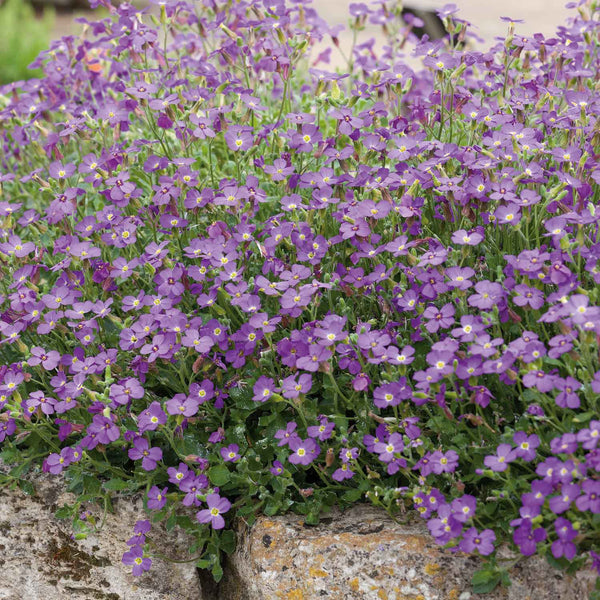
[482,542]
[217,506]
[304,451]
[499,462]
[157,498]
[135,557]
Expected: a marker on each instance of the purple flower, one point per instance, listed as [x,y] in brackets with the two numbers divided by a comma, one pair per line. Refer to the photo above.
[151,418]
[294,385]
[461,237]
[276,469]
[149,456]
[439,318]
[445,526]
[55,463]
[263,389]
[563,546]
[444,462]
[230,453]
[567,398]
[526,445]
[135,557]
[343,473]
[463,508]
[391,394]
[216,507]
[304,451]
[590,497]
[141,528]
[482,542]
[182,405]
[499,462]
[104,430]
[15,246]
[239,138]
[527,538]
[57,170]
[561,503]
[157,498]
[285,435]
[525,295]
[590,436]
[322,431]
[179,474]
[460,277]
[388,450]
[488,294]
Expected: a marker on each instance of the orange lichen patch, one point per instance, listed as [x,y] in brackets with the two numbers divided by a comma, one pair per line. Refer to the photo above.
[453,594]
[382,594]
[416,543]
[353,583]
[295,595]
[267,524]
[314,572]
[432,568]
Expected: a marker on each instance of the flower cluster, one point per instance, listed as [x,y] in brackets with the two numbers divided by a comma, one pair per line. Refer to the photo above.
[240,281]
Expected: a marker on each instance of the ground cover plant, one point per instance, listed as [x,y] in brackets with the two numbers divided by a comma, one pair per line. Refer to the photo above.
[238,281]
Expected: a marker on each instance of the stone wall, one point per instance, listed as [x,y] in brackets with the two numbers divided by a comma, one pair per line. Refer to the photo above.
[40,561]
[360,554]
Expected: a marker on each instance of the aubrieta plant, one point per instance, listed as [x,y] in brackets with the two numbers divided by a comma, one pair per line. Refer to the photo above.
[239,281]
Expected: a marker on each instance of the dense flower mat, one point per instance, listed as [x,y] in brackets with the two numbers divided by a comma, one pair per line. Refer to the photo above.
[237,281]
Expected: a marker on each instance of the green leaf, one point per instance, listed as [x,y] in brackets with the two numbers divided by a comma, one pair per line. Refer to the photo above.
[171,522]
[584,417]
[64,512]
[558,563]
[485,580]
[352,495]
[217,572]
[219,475]
[227,541]
[312,518]
[115,485]
[27,487]
[91,484]
[271,507]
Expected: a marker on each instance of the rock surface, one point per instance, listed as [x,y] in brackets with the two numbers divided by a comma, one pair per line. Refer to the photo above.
[363,554]
[40,561]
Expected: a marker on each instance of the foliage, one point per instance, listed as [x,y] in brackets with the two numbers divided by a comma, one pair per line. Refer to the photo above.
[23,38]
[240,284]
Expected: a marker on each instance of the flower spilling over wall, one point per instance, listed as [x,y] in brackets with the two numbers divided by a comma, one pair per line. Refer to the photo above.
[237,281]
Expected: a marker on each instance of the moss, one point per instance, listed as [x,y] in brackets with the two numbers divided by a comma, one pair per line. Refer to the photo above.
[68,560]
[93,593]
[5,527]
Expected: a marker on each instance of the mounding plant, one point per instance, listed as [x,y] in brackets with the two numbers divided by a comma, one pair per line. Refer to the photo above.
[236,280]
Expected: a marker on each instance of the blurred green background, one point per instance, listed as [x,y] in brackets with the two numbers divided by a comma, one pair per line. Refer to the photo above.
[23,35]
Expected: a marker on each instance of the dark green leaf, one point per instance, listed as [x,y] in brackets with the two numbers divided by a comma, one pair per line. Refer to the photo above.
[352,495]
[227,541]
[64,512]
[115,485]
[27,487]
[219,475]
[485,580]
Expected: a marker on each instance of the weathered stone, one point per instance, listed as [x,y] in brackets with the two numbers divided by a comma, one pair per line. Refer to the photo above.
[40,561]
[364,554]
